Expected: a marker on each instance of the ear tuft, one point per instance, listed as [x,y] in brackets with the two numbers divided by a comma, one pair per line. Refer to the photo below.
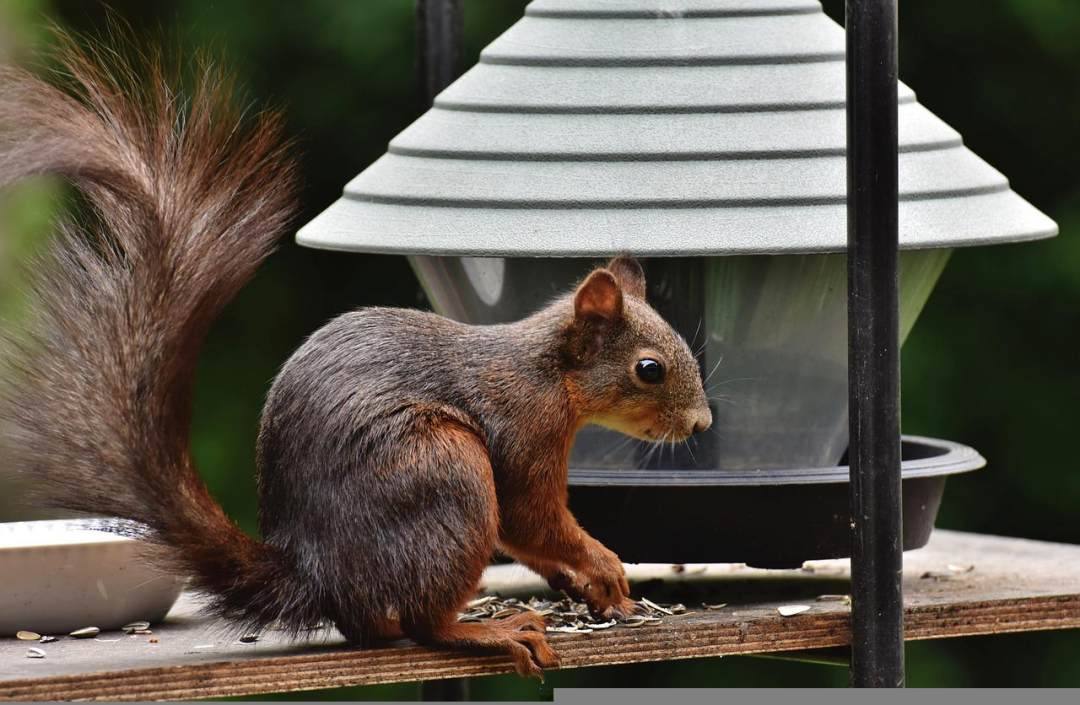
[629,274]
[599,297]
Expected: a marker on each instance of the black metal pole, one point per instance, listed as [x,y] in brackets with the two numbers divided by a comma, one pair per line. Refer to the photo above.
[439,26]
[877,652]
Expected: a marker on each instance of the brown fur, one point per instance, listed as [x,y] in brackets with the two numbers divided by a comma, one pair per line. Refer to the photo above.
[397,449]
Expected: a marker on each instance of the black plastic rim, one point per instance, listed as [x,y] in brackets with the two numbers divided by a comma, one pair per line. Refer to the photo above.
[769,518]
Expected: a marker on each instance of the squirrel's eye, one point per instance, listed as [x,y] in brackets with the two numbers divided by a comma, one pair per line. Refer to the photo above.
[649,371]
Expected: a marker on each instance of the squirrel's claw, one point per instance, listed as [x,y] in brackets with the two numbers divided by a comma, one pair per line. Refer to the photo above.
[532,654]
[622,609]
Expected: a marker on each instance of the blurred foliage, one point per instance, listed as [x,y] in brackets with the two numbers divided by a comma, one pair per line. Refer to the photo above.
[993,361]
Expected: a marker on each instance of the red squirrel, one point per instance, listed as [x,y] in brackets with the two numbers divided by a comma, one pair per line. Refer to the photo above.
[398,449]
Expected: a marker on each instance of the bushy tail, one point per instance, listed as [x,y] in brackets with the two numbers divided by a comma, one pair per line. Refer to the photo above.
[185,200]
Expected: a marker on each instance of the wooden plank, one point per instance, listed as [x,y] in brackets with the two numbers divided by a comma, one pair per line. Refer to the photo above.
[961,584]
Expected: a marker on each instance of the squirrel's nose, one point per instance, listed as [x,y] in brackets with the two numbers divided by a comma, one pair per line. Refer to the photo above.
[702,419]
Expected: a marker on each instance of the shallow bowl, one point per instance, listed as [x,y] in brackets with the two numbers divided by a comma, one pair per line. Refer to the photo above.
[62,575]
[765,518]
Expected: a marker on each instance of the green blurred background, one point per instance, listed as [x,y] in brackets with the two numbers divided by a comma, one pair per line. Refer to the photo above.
[993,361]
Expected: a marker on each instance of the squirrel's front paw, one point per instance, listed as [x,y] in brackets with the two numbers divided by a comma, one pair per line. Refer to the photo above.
[604,580]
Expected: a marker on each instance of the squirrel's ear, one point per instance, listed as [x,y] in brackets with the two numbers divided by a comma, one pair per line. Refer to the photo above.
[599,297]
[629,274]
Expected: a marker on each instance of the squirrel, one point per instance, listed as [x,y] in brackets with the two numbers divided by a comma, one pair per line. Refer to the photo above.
[398,450]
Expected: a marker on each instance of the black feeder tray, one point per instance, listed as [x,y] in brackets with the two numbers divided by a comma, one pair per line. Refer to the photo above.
[764,518]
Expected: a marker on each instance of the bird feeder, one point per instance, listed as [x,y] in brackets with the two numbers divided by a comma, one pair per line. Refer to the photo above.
[708,138]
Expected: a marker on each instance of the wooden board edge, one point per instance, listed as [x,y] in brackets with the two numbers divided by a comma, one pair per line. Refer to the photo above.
[695,639]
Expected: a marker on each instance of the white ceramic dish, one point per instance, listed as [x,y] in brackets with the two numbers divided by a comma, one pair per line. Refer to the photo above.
[60,575]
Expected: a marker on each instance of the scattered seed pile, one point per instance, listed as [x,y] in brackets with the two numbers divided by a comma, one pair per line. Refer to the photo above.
[565,615]
[140,628]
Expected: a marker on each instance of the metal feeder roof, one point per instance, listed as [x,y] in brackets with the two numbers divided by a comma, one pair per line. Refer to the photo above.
[663,127]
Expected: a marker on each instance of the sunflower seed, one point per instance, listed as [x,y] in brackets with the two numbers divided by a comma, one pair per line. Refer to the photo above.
[505,612]
[481,601]
[678,608]
[136,627]
[569,630]
[34,652]
[833,598]
[27,636]
[791,610]
[47,639]
[85,632]
[601,625]
[717,606]
[249,638]
[653,606]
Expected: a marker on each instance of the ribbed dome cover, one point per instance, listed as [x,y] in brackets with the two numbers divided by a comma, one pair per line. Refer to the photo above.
[666,127]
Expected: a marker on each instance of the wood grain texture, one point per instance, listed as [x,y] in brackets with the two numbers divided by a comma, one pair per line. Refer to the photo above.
[1012,585]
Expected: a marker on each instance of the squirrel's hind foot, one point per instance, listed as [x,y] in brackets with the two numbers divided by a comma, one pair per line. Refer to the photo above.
[515,637]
